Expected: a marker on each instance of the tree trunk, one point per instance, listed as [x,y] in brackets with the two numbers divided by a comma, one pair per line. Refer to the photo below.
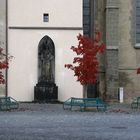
[90,91]
[84,91]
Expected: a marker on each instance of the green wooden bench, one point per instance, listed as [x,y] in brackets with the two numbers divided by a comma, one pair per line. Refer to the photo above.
[135,103]
[8,103]
[84,103]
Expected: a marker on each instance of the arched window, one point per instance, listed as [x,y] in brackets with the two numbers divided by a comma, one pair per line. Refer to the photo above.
[138,23]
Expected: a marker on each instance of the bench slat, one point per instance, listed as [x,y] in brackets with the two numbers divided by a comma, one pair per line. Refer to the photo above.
[84,103]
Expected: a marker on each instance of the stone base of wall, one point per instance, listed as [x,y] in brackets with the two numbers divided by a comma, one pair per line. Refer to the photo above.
[112,74]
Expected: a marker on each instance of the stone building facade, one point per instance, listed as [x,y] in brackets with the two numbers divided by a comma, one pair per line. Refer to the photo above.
[23,26]
[118,20]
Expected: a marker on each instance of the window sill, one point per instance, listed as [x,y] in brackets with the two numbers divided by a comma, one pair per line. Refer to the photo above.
[137,46]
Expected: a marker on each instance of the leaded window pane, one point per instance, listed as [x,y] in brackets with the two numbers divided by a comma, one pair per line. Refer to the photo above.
[137,21]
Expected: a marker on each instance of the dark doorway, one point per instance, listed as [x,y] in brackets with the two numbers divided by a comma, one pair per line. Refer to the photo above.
[92,91]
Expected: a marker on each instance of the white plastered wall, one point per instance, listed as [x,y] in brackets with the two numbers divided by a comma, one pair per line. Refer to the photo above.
[22,74]
[62,13]
[23,45]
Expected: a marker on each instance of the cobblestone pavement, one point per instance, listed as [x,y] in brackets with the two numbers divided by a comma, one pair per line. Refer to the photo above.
[51,122]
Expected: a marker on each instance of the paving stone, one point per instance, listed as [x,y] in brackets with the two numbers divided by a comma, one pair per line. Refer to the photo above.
[51,122]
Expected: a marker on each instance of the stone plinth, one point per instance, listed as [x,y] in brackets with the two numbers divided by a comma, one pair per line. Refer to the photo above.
[45,92]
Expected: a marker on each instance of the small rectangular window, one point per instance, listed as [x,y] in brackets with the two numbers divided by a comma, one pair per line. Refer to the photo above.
[46,17]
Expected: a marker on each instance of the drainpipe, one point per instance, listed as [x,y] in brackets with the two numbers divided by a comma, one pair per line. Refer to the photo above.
[6,47]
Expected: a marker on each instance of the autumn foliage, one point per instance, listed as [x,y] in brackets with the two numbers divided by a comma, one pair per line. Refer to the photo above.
[85,66]
[138,71]
[4,59]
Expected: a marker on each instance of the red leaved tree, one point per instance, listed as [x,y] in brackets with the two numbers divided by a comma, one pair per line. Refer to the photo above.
[138,71]
[4,59]
[85,66]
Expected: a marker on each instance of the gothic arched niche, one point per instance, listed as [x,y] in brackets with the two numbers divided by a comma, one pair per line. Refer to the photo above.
[46,60]
[46,89]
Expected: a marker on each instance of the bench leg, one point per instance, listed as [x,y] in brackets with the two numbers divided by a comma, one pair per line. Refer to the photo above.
[82,108]
[102,108]
[63,106]
[68,108]
[71,108]
[97,108]
[134,105]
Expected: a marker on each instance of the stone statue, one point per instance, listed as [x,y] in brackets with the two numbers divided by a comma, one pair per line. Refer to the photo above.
[46,89]
[46,60]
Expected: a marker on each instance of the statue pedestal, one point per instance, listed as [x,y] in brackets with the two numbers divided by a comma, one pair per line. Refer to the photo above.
[45,92]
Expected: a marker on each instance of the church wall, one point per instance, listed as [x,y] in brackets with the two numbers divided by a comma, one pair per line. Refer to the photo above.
[26,29]
[3,37]
[23,70]
[129,57]
[62,13]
